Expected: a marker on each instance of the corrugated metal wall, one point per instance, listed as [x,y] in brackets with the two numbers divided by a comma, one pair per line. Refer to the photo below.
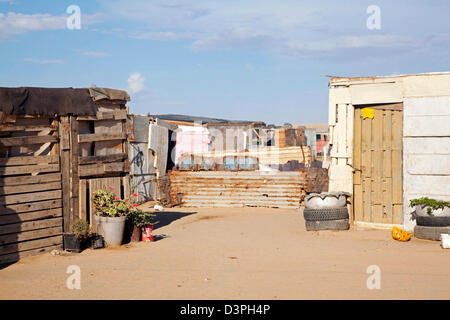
[237,189]
[141,161]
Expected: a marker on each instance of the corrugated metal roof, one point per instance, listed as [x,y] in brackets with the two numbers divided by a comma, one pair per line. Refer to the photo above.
[204,120]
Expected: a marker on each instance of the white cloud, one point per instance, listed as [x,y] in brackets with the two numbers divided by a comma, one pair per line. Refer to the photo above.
[13,24]
[136,83]
[40,61]
[304,29]
[95,54]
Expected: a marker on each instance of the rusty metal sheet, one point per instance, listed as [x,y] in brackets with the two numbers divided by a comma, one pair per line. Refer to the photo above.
[238,188]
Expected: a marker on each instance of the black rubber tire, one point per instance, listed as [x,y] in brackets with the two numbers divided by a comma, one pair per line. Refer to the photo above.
[341,224]
[430,233]
[325,214]
[430,221]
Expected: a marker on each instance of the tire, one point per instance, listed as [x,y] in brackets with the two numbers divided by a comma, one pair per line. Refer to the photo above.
[341,224]
[429,221]
[430,233]
[325,214]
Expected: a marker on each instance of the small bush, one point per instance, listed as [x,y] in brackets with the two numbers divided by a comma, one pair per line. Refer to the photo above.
[81,229]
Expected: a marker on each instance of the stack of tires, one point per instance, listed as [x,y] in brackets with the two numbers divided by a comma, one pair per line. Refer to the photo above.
[326,211]
[430,227]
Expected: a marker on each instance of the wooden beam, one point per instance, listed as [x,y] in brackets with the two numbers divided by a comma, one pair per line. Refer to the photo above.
[107,158]
[74,178]
[28,245]
[105,115]
[27,160]
[12,181]
[100,169]
[30,197]
[23,141]
[29,235]
[34,169]
[30,216]
[64,134]
[30,188]
[11,128]
[30,206]
[12,257]
[93,137]
[31,225]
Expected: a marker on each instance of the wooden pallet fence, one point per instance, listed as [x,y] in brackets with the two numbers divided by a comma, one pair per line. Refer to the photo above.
[31,214]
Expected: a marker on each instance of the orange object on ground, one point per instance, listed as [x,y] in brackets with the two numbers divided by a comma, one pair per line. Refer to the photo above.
[400,235]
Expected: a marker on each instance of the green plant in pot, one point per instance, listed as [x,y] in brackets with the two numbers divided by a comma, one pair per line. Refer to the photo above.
[140,220]
[430,207]
[77,240]
[111,215]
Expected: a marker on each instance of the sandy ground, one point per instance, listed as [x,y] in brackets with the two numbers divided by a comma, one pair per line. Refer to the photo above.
[248,253]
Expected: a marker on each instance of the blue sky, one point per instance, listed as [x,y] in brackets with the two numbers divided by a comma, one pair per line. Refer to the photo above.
[249,60]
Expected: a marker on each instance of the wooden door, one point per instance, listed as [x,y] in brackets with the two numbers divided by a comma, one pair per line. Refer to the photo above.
[377,162]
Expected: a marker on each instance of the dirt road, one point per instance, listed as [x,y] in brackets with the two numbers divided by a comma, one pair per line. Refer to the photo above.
[248,253]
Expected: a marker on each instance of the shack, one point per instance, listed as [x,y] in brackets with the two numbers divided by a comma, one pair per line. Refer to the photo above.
[390,143]
[57,146]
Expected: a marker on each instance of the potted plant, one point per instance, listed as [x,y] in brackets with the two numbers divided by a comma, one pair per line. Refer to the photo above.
[78,239]
[111,215]
[430,207]
[141,222]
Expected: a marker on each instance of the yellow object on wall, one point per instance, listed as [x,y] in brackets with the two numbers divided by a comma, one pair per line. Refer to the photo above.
[367,113]
[400,235]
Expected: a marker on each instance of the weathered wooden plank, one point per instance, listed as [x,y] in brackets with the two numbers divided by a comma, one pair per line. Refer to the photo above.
[64,134]
[377,156]
[12,181]
[31,225]
[30,188]
[29,235]
[106,115]
[366,146]
[357,140]
[387,199]
[82,200]
[28,245]
[11,128]
[387,146]
[74,178]
[367,200]
[34,169]
[358,202]
[28,140]
[29,216]
[93,137]
[126,186]
[28,160]
[100,169]
[397,135]
[94,185]
[109,147]
[107,158]
[30,206]
[398,214]
[12,257]
[29,197]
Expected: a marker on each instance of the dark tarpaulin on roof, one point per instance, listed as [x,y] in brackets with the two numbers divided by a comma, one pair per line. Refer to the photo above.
[46,101]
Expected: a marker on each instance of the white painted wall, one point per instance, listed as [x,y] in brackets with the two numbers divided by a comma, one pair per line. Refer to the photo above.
[426,151]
